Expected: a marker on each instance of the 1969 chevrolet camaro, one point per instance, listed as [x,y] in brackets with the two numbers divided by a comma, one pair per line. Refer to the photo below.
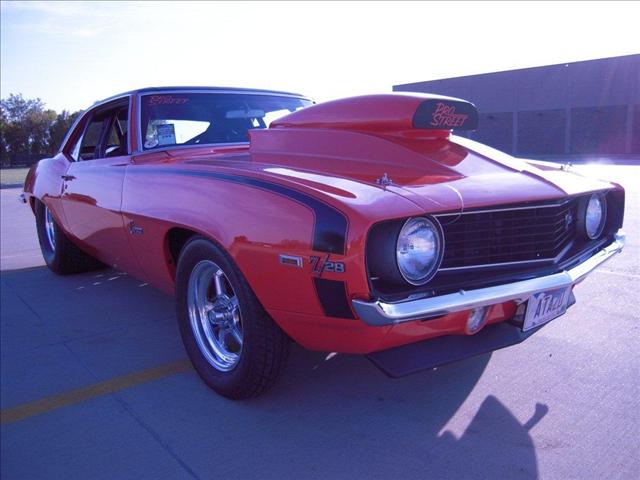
[360,225]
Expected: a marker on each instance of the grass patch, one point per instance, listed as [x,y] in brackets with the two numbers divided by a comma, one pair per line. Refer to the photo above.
[13,176]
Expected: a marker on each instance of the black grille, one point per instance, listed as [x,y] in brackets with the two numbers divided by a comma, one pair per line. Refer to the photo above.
[514,235]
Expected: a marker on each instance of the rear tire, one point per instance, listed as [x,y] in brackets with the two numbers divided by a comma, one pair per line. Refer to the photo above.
[234,345]
[60,254]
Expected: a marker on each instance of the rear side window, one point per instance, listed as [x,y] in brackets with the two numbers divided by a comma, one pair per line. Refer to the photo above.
[209,118]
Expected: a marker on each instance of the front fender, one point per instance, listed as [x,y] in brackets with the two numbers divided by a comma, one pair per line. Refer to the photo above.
[254,225]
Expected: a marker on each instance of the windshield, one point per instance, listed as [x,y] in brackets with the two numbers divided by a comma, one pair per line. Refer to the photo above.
[204,118]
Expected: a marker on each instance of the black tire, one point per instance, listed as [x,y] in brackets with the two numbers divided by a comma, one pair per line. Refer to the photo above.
[265,346]
[63,257]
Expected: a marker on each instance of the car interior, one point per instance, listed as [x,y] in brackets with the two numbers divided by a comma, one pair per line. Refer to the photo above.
[105,135]
[200,119]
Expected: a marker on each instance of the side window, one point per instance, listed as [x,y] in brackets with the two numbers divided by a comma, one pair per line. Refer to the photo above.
[106,135]
[75,151]
[90,139]
[117,138]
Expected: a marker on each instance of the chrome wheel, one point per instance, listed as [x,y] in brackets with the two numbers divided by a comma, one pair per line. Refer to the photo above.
[49,227]
[214,314]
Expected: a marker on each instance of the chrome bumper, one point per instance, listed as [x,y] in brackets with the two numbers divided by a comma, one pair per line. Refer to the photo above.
[379,313]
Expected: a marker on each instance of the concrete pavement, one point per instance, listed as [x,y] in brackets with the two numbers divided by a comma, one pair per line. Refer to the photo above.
[564,404]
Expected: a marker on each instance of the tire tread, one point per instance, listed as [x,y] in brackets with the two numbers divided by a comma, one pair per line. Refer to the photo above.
[267,346]
[67,257]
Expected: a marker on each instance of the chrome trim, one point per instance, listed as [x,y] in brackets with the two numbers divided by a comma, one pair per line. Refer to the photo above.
[215,316]
[489,265]
[88,114]
[492,210]
[379,313]
[184,147]
[72,129]
[49,228]
[164,91]
[291,260]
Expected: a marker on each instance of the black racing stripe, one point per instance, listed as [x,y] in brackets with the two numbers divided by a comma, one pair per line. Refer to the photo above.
[330,227]
[333,298]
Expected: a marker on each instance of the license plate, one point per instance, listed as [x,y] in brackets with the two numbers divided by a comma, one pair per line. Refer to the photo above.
[543,307]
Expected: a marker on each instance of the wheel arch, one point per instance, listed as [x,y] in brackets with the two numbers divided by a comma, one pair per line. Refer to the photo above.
[177,237]
[175,240]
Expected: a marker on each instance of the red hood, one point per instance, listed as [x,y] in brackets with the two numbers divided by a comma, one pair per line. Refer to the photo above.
[346,147]
[436,174]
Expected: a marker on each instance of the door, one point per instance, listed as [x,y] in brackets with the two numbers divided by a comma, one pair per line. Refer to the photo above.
[92,188]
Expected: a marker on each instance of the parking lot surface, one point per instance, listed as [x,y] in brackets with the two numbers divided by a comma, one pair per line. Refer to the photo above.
[95,384]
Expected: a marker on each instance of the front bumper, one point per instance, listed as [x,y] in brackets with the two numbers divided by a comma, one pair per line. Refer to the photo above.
[407,359]
[378,313]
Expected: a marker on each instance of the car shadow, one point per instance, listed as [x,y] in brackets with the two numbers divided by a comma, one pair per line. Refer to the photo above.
[331,415]
[401,427]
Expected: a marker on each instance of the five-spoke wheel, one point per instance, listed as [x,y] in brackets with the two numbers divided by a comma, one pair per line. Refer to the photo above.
[234,345]
[215,316]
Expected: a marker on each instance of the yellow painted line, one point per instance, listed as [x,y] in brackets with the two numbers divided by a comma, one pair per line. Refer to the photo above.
[54,402]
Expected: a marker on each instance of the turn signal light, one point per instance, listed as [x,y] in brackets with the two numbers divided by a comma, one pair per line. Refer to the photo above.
[477,319]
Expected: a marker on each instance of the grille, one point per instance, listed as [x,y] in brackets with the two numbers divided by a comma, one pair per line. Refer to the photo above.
[502,236]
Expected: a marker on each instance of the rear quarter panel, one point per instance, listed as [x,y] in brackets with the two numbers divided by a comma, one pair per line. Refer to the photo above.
[44,183]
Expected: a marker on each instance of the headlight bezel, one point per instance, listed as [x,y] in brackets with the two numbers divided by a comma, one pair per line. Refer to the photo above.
[583,212]
[440,246]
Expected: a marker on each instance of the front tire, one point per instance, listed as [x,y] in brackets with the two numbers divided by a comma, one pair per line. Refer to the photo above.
[59,253]
[234,345]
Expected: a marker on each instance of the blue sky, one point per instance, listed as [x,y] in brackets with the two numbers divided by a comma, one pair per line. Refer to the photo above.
[72,54]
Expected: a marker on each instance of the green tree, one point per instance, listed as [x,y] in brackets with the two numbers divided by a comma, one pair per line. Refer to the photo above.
[59,128]
[25,125]
[28,128]
[3,128]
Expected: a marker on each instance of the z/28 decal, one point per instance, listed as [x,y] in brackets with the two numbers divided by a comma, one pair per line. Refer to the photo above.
[323,264]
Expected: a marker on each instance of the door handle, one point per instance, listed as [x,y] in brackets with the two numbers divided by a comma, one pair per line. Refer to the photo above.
[67,177]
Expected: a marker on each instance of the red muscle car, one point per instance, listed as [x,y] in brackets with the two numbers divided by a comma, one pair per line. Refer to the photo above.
[360,225]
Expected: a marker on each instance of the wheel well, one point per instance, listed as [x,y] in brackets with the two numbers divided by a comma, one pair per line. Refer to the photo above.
[176,239]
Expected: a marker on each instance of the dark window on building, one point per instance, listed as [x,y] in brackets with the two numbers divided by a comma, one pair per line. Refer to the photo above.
[496,130]
[598,129]
[635,132]
[541,132]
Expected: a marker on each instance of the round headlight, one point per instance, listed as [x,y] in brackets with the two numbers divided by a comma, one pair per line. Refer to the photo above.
[419,250]
[595,216]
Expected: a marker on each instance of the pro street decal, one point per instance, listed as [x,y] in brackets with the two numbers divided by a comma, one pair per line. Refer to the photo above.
[436,114]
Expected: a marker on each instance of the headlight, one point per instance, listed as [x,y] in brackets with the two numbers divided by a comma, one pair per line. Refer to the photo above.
[419,250]
[595,216]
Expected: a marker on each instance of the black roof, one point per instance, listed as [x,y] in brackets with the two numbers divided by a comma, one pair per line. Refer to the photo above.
[226,89]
